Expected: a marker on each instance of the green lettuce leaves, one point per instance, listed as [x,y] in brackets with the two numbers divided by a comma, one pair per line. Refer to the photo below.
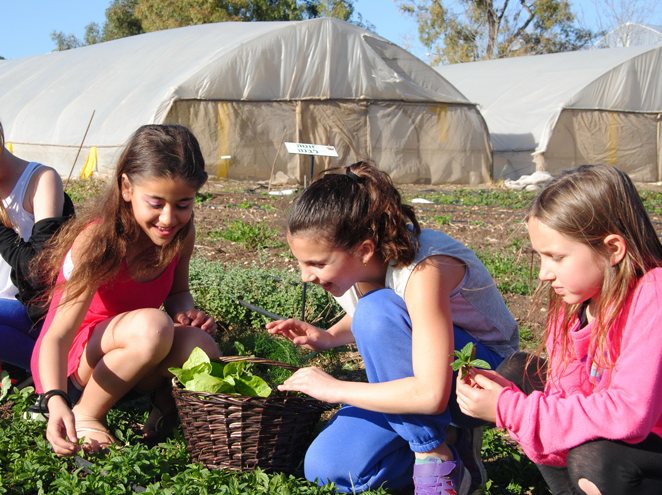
[200,374]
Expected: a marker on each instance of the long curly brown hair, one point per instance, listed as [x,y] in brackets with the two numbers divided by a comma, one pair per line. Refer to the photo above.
[361,203]
[587,204]
[153,151]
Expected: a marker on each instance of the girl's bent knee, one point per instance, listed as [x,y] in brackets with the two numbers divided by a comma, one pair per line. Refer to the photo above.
[381,311]
[589,466]
[321,468]
[208,344]
[154,331]
[588,487]
[188,338]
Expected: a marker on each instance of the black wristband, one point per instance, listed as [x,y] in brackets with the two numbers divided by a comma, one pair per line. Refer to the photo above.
[46,396]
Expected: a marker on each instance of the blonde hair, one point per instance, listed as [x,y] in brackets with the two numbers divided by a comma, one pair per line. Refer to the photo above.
[587,204]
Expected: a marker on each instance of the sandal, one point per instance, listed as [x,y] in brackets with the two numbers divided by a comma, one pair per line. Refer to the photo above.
[162,420]
[94,432]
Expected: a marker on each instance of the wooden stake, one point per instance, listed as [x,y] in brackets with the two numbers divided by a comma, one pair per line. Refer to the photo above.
[79,148]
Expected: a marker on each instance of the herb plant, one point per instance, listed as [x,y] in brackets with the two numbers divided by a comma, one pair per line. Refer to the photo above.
[200,374]
[465,360]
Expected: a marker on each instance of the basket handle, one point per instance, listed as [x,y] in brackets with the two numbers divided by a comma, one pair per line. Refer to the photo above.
[256,360]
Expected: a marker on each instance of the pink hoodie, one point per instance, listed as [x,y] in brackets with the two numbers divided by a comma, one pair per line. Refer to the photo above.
[583,403]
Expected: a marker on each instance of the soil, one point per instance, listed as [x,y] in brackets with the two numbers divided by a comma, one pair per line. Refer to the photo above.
[486,228]
[6,410]
[479,227]
[230,201]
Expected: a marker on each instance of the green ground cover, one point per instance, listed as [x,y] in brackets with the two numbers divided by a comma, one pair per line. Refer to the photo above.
[28,466]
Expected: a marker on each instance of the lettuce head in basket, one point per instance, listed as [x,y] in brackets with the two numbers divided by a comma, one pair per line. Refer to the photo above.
[200,374]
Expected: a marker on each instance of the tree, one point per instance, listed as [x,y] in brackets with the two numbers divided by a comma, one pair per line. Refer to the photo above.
[64,42]
[614,13]
[621,17]
[129,17]
[160,14]
[92,34]
[343,10]
[121,20]
[470,30]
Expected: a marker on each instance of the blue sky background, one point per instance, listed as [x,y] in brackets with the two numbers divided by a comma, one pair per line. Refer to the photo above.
[26,25]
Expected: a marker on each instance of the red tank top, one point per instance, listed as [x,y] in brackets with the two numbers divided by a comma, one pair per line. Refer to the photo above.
[120,295]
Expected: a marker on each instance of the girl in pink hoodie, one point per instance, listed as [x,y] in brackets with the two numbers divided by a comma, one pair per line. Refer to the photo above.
[594,423]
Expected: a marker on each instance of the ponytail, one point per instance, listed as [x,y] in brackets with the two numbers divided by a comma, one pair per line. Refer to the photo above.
[361,203]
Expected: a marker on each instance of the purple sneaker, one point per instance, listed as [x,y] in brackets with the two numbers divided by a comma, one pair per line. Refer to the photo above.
[442,478]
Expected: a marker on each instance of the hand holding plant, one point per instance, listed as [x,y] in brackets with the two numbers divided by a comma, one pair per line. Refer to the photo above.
[465,361]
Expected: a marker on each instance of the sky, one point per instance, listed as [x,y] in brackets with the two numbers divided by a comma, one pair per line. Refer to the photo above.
[26,25]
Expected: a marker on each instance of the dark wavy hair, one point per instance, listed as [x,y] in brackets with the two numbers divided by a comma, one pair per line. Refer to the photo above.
[357,204]
[153,151]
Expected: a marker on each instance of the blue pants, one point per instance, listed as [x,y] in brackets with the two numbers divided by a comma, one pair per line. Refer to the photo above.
[359,449]
[16,341]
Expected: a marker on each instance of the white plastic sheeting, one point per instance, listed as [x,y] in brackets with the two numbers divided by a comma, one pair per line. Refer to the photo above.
[557,111]
[632,34]
[244,89]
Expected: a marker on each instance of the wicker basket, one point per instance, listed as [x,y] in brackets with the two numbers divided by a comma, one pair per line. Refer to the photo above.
[225,431]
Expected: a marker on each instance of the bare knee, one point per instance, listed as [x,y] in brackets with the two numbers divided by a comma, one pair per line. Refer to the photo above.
[588,465]
[196,337]
[152,333]
[188,338]
[588,487]
[208,344]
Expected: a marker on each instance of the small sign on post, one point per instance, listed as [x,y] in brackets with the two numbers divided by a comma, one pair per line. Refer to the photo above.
[312,150]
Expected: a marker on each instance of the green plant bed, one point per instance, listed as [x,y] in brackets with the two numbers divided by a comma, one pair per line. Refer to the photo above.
[480,197]
[217,289]
[253,236]
[511,270]
[28,465]
[509,471]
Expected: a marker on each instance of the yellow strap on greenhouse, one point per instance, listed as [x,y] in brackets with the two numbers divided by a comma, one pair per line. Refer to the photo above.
[223,129]
[90,163]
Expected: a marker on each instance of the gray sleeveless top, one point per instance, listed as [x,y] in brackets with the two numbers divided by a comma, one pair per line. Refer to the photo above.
[476,303]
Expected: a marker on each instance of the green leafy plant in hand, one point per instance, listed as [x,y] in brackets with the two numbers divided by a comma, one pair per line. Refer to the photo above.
[200,374]
[465,360]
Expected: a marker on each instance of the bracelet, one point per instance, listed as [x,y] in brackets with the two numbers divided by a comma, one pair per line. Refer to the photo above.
[46,396]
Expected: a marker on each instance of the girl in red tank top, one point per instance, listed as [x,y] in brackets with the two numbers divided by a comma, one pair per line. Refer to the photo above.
[105,332]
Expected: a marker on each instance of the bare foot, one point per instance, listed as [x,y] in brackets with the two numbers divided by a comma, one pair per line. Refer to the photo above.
[94,432]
